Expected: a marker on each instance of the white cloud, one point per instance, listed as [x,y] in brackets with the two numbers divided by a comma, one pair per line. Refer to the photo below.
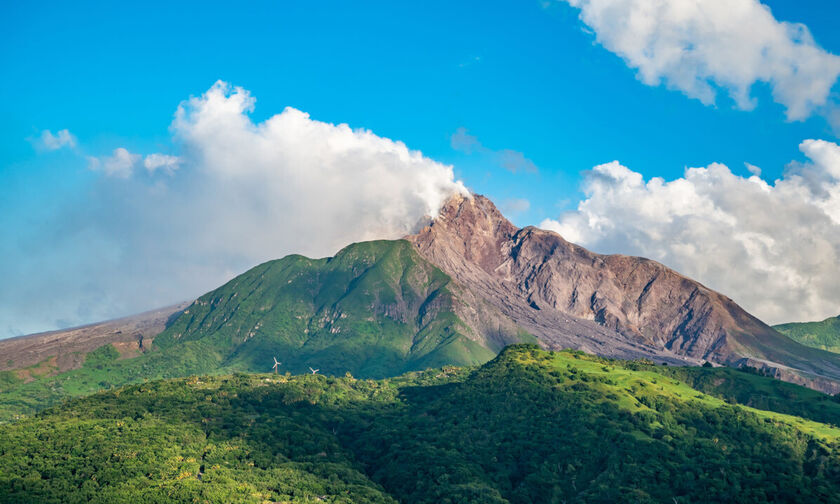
[120,163]
[700,46]
[774,248]
[244,192]
[49,141]
[166,163]
[511,160]
[329,183]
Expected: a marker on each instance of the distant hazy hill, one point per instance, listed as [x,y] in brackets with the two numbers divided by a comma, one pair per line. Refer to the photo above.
[530,426]
[824,335]
[65,349]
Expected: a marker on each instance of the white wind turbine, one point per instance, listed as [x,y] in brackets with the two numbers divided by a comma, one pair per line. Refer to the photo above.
[314,371]
[276,365]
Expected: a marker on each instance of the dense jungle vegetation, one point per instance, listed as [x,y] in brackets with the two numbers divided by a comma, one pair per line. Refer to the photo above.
[529,426]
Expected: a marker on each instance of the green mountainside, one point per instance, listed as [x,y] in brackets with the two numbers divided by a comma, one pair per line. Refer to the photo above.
[198,416]
[824,335]
[376,309]
[529,426]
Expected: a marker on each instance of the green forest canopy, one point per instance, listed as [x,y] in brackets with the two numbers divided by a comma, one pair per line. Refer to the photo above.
[530,426]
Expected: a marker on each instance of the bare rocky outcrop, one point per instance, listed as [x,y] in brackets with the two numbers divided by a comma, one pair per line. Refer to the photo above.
[68,347]
[612,305]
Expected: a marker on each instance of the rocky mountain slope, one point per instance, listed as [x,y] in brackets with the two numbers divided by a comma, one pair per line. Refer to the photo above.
[610,305]
[66,349]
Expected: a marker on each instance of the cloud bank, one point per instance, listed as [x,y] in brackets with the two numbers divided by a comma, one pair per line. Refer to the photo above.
[122,163]
[702,46]
[238,193]
[50,142]
[774,248]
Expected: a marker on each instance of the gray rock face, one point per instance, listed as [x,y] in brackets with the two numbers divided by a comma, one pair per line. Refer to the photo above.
[612,305]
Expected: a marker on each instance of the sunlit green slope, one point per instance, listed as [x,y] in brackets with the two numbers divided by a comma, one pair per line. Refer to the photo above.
[824,335]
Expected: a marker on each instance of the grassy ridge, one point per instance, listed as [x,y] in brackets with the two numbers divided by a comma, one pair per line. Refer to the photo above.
[375,309]
[530,426]
[739,386]
[824,335]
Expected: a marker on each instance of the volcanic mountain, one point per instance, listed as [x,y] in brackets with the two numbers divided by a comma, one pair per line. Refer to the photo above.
[376,309]
[611,305]
[467,284]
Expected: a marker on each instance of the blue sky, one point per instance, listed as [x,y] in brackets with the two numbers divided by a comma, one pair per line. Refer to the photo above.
[528,77]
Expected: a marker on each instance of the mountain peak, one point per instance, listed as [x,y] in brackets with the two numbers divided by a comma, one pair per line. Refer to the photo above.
[467,226]
[473,212]
[621,306]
